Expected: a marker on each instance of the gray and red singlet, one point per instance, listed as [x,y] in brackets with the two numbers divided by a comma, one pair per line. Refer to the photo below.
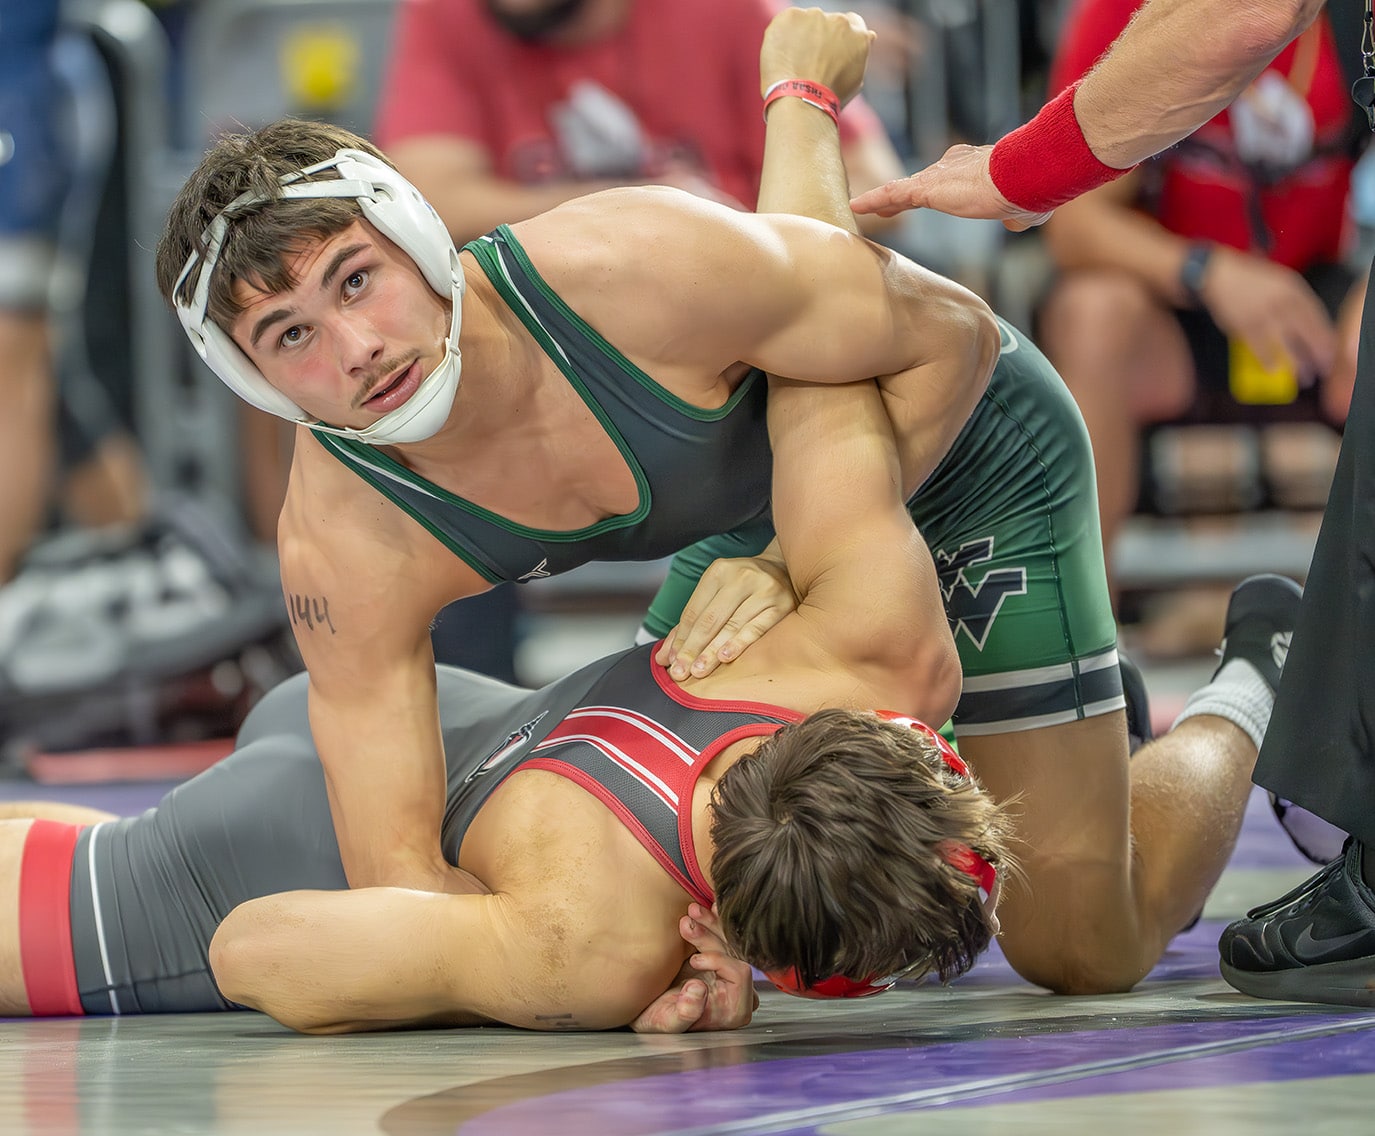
[118,917]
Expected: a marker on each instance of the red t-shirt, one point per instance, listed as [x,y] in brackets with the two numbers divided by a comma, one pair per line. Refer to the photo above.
[1205,192]
[688,70]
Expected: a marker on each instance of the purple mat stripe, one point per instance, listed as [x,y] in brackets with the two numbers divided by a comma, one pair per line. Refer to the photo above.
[762,1095]
[1287,1054]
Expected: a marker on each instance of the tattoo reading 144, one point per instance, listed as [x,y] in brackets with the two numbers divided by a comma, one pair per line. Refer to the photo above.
[310,611]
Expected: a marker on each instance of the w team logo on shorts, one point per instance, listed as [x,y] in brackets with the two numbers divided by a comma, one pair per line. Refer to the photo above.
[970,607]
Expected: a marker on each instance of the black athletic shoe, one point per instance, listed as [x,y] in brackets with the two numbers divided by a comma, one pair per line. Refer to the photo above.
[1315,944]
[1260,624]
[1139,730]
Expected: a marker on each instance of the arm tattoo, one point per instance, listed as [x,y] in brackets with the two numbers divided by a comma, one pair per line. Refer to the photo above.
[310,611]
[558,1021]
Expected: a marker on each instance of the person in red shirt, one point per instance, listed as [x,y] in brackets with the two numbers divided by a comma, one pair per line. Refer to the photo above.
[497,110]
[1216,264]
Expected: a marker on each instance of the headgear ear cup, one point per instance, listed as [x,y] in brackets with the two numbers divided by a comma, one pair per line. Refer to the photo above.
[398,211]
[837,986]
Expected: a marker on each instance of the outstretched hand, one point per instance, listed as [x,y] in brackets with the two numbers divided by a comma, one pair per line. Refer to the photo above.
[831,48]
[734,603]
[713,991]
[958,184]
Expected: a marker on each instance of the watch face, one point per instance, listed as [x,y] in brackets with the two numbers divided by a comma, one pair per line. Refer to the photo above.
[1193,270]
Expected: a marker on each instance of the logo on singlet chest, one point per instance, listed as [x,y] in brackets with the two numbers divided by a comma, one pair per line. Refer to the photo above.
[515,741]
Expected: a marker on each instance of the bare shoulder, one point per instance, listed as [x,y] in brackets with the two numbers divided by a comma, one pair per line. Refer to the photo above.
[655,233]
[599,912]
[679,284]
[329,507]
[339,539]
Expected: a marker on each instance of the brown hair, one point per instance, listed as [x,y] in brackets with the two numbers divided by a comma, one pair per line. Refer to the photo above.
[831,844]
[262,238]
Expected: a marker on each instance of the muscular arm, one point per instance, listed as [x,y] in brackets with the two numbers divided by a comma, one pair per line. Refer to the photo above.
[389,958]
[927,401]
[870,600]
[1177,64]
[361,603]
[804,175]
[711,287]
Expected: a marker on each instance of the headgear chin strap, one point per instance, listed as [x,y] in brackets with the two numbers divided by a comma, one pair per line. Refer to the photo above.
[397,210]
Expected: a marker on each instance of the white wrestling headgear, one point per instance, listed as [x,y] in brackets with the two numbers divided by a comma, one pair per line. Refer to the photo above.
[397,210]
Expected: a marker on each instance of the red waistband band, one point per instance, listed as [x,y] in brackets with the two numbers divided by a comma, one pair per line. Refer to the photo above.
[45,920]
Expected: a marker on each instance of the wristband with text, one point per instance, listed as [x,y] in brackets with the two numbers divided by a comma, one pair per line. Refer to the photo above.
[817,94]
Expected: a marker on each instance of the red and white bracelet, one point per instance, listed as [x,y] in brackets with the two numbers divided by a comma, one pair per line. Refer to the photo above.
[817,94]
[1047,162]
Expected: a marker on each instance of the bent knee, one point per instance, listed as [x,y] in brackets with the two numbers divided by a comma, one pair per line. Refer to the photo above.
[1095,307]
[1081,937]
[1083,975]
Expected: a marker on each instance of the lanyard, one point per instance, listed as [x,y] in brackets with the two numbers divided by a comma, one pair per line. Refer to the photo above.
[1363,89]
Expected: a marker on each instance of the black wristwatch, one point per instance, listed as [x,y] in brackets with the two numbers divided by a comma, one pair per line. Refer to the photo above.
[1192,271]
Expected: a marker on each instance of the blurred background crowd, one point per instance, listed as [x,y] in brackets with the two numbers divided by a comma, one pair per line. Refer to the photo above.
[138,498]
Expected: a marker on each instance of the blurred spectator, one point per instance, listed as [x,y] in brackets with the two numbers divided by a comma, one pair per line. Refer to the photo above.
[56,136]
[33,179]
[115,607]
[501,109]
[1216,266]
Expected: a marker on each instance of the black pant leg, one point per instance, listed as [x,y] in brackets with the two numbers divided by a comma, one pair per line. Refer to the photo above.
[1318,751]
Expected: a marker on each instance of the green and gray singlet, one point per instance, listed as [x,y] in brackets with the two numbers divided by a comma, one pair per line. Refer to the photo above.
[665,441]
[1011,518]
[1010,514]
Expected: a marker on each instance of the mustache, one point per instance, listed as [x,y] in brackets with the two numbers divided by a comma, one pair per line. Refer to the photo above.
[389,371]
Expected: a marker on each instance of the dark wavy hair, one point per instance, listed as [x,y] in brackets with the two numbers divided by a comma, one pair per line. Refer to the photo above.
[262,239]
[832,852]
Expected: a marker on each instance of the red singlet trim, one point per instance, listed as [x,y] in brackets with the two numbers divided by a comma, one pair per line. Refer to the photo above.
[45,920]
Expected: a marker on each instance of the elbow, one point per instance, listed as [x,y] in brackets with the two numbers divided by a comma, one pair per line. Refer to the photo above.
[247,966]
[985,344]
[945,680]
[934,678]
[1267,29]
[1292,17]
[236,961]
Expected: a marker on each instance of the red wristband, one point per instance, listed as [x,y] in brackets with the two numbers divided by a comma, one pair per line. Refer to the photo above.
[819,96]
[1047,162]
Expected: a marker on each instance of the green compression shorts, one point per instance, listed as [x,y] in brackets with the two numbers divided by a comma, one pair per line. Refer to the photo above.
[1011,518]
